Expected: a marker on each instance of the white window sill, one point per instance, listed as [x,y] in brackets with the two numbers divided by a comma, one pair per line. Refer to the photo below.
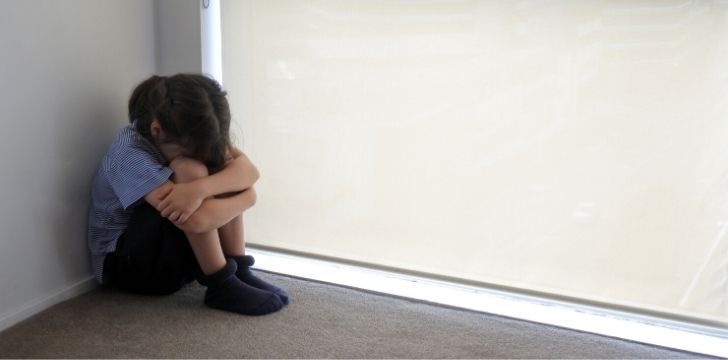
[545,311]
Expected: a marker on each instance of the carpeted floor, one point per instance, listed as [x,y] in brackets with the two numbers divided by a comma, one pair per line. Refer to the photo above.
[324,321]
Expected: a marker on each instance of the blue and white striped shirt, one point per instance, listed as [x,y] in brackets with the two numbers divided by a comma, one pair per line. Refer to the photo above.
[131,168]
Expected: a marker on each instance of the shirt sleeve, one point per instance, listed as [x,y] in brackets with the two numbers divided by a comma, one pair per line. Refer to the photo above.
[135,172]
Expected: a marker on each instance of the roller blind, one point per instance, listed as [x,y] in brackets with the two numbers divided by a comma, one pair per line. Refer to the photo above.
[576,148]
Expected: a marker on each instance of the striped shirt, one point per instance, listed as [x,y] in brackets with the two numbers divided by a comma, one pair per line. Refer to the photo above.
[131,168]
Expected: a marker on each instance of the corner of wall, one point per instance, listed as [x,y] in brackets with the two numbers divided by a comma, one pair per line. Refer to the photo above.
[157,37]
[178,36]
[35,306]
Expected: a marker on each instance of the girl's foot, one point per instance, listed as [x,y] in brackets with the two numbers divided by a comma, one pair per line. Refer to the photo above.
[243,273]
[226,292]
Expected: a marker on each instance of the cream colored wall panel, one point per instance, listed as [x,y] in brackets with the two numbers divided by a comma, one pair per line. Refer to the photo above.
[573,147]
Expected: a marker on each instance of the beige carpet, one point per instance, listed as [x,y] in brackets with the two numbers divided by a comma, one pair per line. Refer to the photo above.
[324,321]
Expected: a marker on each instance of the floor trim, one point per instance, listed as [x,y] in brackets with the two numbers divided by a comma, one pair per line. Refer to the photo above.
[607,322]
[23,312]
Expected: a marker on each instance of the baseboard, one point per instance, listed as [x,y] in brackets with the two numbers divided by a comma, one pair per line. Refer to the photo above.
[17,315]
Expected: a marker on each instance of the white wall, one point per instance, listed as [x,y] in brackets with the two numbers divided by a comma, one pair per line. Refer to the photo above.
[67,68]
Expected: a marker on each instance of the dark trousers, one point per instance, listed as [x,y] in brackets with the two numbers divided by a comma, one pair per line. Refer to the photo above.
[152,257]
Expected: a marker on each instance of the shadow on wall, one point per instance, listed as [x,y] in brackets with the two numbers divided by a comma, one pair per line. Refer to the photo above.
[79,147]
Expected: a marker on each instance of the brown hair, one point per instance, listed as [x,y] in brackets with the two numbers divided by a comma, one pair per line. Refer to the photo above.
[192,110]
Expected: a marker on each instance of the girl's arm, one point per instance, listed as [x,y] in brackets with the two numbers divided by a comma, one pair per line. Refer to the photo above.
[214,212]
[184,199]
[238,175]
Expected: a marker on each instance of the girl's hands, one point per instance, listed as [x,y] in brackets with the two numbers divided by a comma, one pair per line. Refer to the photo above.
[182,202]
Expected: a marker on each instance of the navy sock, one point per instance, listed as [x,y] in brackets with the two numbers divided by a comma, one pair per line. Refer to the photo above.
[243,273]
[226,292]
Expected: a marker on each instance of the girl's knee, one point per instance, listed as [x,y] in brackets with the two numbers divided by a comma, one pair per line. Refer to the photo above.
[187,169]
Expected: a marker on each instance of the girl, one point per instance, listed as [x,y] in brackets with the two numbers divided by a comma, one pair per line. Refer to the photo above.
[167,200]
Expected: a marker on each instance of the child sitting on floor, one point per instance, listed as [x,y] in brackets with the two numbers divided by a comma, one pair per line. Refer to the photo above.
[168,198]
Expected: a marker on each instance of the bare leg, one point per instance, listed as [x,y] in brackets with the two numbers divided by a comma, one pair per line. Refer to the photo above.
[206,246]
[224,290]
[232,237]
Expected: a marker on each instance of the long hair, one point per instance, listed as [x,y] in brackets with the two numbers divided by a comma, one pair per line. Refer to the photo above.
[192,110]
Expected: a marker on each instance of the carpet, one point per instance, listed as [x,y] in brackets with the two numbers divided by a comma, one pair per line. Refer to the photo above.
[324,321]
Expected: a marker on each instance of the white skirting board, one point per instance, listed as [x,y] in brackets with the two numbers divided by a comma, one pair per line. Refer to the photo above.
[615,324]
[31,308]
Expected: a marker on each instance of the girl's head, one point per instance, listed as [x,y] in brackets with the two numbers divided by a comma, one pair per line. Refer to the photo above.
[186,110]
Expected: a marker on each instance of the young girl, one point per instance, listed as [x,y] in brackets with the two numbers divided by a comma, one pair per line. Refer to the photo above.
[168,198]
